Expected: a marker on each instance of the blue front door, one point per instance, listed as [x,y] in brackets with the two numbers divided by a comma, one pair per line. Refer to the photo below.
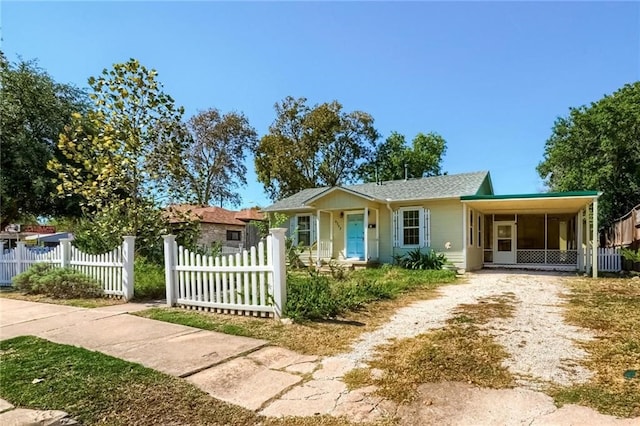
[355,236]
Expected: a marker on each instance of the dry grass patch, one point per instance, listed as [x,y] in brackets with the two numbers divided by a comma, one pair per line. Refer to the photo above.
[458,352]
[611,308]
[96,302]
[488,308]
[322,338]
[98,389]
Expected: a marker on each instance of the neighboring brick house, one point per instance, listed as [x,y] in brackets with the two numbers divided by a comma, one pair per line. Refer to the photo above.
[217,225]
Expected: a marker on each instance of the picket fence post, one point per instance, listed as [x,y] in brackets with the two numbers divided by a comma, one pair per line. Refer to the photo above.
[128,249]
[65,252]
[169,265]
[20,249]
[279,270]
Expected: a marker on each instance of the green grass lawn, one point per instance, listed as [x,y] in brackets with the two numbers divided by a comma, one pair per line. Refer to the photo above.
[98,389]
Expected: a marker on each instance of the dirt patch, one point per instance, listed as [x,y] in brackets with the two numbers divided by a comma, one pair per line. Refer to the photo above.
[453,404]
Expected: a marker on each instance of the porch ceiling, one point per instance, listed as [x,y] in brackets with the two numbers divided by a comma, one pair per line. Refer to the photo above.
[553,202]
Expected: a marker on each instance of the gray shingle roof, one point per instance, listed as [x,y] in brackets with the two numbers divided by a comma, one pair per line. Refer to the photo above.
[429,188]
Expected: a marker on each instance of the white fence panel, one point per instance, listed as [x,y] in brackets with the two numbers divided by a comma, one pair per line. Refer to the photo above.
[609,259]
[113,270]
[240,283]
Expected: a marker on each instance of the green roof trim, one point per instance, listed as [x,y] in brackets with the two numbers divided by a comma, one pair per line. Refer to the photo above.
[531,196]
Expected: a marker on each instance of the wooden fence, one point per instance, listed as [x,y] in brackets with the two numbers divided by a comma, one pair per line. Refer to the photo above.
[251,282]
[609,259]
[114,270]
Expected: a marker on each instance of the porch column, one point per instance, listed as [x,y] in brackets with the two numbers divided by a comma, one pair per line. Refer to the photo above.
[464,235]
[546,237]
[586,245]
[579,231]
[378,233]
[331,235]
[318,240]
[366,234]
[594,243]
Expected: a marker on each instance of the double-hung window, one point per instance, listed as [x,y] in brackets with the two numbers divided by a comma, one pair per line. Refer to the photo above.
[302,229]
[411,227]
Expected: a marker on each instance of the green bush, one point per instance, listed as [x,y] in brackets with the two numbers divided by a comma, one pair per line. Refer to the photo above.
[310,298]
[58,283]
[314,296]
[416,259]
[338,271]
[149,280]
[354,295]
[630,255]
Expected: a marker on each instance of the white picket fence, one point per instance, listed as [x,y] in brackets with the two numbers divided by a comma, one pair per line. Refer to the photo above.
[609,259]
[114,270]
[19,259]
[252,282]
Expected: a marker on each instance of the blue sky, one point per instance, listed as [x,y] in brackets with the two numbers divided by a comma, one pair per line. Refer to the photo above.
[490,77]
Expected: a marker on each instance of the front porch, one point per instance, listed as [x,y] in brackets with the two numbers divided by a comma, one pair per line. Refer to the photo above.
[350,237]
[552,231]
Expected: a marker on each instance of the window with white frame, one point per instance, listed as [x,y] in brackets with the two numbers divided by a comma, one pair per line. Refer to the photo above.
[471,228]
[479,225]
[411,227]
[302,229]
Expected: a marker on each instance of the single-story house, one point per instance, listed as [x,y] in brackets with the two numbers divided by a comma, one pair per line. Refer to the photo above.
[232,229]
[458,215]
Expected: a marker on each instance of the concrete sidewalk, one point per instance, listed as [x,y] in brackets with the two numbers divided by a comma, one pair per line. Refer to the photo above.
[230,368]
[173,349]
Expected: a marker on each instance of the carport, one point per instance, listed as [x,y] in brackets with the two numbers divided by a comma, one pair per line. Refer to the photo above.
[553,230]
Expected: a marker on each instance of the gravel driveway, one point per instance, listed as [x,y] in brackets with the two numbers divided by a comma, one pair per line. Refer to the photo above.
[541,345]
[542,349]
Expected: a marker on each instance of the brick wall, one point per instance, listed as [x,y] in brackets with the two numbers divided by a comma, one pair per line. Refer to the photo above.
[214,232]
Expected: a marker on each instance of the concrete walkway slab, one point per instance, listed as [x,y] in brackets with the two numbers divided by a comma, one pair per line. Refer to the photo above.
[185,354]
[40,326]
[25,417]
[5,405]
[16,311]
[244,382]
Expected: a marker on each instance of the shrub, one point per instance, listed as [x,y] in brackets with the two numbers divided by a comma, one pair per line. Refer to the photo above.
[310,298]
[149,281]
[630,255]
[58,283]
[356,294]
[338,271]
[416,259]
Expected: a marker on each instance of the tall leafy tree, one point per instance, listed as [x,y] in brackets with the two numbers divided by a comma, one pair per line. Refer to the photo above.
[33,111]
[394,158]
[312,146]
[598,147]
[112,152]
[212,162]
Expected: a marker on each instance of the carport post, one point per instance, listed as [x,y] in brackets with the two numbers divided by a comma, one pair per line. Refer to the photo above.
[587,234]
[595,242]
